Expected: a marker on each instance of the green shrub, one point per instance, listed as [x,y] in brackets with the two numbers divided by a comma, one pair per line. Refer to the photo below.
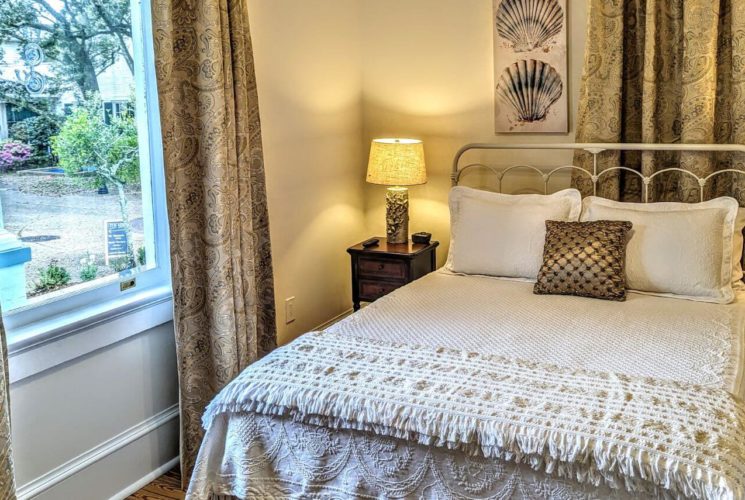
[85,141]
[37,132]
[88,273]
[141,258]
[121,264]
[89,269]
[52,277]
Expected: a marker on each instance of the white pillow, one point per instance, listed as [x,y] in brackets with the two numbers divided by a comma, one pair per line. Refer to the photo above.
[503,235]
[676,249]
[737,273]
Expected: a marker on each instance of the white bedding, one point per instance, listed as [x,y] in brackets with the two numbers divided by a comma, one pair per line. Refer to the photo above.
[251,456]
[673,339]
[662,338]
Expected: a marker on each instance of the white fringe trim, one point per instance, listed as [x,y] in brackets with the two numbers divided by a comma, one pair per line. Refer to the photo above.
[565,453]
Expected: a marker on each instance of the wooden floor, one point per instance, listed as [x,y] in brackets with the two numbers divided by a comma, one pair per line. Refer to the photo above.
[166,487]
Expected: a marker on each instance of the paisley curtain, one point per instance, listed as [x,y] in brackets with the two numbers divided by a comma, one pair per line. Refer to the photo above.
[7,479]
[667,71]
[221,263]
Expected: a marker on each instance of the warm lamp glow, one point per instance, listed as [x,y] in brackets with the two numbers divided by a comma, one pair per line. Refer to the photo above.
[396,162]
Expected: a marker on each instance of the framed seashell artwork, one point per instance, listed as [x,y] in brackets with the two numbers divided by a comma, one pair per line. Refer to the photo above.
[530,66]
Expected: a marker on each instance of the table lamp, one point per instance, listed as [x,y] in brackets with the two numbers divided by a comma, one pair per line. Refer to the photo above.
[397,163]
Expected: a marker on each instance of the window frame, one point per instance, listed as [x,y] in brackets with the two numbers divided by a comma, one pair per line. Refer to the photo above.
[80,310]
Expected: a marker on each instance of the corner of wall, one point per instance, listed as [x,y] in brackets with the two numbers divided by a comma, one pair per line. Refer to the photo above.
[428,73]
[309,76]
[332,76]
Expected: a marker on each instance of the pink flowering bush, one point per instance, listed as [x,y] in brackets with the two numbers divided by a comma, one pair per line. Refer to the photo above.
[13,154]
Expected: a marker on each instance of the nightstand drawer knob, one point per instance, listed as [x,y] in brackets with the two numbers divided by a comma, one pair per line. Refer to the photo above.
[381,267]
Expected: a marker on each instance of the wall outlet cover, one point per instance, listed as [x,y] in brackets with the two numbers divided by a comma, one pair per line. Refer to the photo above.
[289,310]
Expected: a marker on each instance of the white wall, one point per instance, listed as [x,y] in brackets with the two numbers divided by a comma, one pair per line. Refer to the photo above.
[334,74]
[309,80]
[428,73]
[79,412]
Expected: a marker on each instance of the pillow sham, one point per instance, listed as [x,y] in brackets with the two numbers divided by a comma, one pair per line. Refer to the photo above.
[676,249]
[584,259]
[738,248]
[502,235]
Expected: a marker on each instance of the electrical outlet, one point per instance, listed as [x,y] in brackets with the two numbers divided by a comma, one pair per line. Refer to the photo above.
[289,310]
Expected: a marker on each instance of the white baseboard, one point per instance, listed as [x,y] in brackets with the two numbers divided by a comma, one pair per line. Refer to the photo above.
[144,481]
[333,320]
[93,455]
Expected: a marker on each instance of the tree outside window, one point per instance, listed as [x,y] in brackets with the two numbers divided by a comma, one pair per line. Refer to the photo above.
[69,133]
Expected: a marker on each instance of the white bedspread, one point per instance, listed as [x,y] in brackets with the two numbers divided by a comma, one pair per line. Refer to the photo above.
[681,340]
[688,342]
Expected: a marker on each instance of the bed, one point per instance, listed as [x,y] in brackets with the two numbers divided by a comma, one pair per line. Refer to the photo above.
[469,386]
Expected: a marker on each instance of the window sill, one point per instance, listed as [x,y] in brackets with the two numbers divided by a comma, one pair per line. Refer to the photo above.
[48,343]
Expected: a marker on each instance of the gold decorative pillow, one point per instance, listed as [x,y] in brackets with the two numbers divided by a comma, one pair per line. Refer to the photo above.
[585,259]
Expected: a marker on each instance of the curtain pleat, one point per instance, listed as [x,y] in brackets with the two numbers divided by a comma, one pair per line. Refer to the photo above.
[224,314]
[7,478]
[664,71]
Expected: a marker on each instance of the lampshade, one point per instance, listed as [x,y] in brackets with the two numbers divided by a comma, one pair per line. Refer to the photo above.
[396,162]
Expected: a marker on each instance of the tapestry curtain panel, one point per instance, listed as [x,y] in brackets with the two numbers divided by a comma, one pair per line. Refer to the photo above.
[7,479]
[221,263]
[667,71]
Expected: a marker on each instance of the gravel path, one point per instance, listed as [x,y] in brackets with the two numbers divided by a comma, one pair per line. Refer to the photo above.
[38,207]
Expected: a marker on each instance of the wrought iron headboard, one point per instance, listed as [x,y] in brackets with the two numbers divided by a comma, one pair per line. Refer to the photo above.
[596,175]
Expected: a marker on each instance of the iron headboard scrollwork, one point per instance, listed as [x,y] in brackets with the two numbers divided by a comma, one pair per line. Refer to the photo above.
[596,175]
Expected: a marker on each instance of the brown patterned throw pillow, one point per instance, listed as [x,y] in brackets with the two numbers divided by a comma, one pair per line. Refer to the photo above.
[585,259]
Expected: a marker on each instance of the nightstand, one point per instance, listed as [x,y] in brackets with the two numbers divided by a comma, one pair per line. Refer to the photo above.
[379,270]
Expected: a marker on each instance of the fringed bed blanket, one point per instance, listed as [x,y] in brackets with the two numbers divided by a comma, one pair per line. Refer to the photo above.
[641,434]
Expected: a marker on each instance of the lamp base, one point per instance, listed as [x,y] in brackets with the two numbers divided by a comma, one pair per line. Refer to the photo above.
[397,214]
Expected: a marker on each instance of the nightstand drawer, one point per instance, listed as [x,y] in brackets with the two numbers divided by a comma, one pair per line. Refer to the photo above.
[371,290]
[382,268]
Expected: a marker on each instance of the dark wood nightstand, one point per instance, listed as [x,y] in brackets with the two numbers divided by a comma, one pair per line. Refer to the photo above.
[379,270]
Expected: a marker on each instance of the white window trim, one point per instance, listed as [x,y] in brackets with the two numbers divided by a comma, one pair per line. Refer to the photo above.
[37,353]
[32,330]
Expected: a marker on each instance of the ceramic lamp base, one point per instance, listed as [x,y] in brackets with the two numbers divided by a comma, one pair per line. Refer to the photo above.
[397,214]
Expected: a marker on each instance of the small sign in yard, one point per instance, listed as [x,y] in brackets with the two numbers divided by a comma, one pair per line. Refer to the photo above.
[116,239]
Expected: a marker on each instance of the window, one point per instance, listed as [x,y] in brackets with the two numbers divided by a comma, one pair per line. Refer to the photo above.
[82,209]
[17,114]
[117,110]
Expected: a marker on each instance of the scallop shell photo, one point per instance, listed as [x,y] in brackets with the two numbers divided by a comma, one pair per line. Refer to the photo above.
[529,87]
[529,24]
